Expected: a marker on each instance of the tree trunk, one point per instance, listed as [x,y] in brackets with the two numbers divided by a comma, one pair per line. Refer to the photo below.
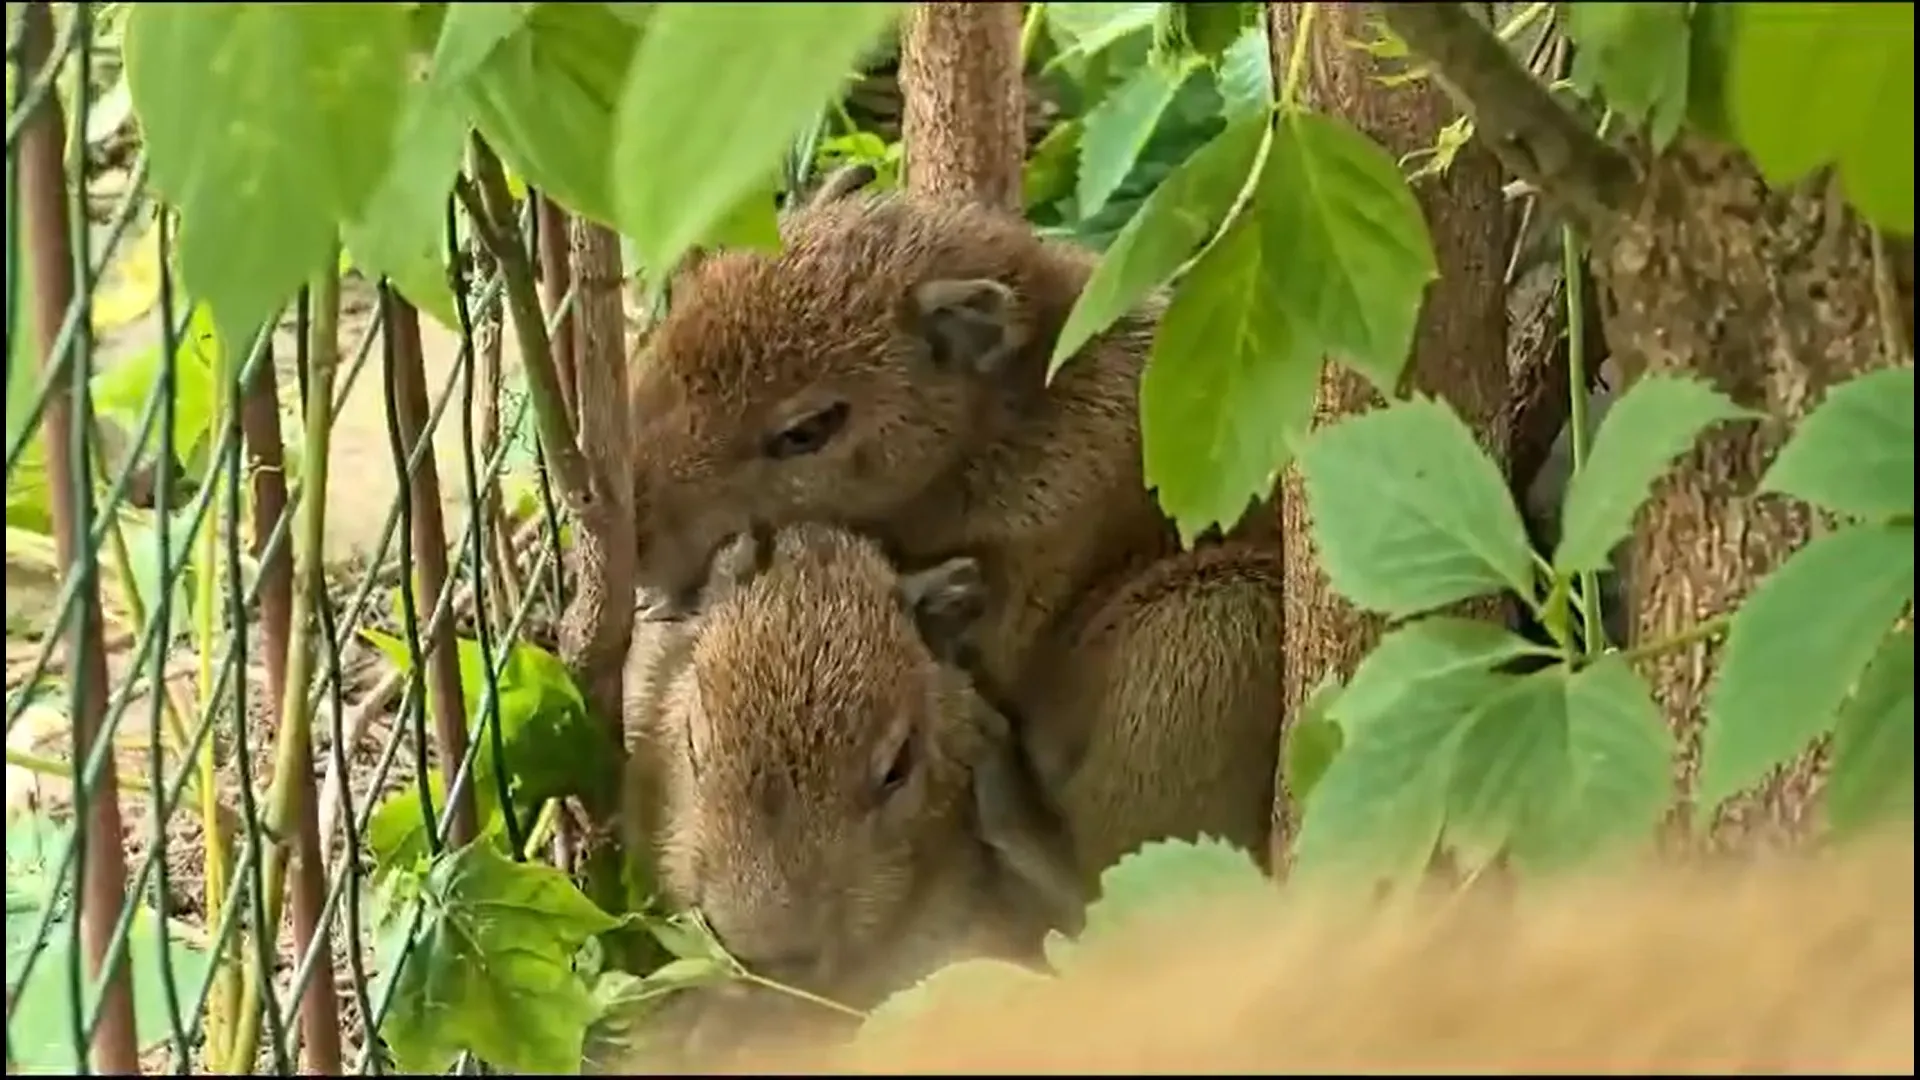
[1458,353]
[599,620]
[1769,295]
[961,78]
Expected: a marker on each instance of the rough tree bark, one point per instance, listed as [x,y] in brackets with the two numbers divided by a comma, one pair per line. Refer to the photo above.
[1460,350]
[1771,296]
[599,619]
[961,78]
[1774,296]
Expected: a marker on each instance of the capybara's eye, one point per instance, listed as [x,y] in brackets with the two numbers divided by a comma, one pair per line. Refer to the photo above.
[809,434]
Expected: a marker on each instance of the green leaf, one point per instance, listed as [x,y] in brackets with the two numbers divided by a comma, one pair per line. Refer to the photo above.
[41,1021]
[399,833]
[546,99]
[683,158]
[957,982]
[403,233]
[492,971]
[470,34]
[1816,83]
[1710,52]
[1228,384]
[1410,659]
[1210,29]
[1872,776]
[1182,213]
[1507,763]
[1637,54]
[1796,646]
[553,746]
[1116,130]
[1409,514]
[1246,75]
[753,224]
[1311,743]
[1854,454]
[1051,170]
[1648,427]
[1379,809]
[120,392]
[1358,254]
[267,125]
[142,533]
[1085,29]
[1562,768]
[1163,876]
[1616,783]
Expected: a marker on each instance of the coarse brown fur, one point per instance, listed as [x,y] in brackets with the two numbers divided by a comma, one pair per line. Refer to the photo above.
[843,808]
[1799,964]
[887,372]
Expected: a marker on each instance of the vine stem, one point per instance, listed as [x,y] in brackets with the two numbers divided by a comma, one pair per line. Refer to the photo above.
[489,207]
[1297,59]
[793,991]
[1692,635]
[224,997]
[293,755]
[59,770]
[1030,32]
[1572,268]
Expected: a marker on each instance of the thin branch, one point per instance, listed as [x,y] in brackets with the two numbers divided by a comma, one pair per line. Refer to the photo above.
[1534,137]
[489,205]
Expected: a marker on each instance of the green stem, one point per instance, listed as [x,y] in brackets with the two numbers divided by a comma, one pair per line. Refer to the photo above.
[225,994]
[1522,19]
[1030,32]
[1692,635]
[491,208]
[1297,59]
[542,830]
[794,991]
[292,765]
[60,770]
[1591,635]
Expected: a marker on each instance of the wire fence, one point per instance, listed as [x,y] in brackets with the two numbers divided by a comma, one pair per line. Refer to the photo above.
[207,727]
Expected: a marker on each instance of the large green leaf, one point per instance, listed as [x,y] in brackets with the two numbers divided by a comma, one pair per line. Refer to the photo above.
[1652,424]
[267,125]
[547,97]
[1812,83]
[1561,768]
[1181,214]
[403,233]
[492,970]
[684,158]
[1795,648]
[1411,659]
[1637,55]
[1230,381]
[1872,776]
[1116,130]
[1378,810]
[40,1019]
[1409,514]
[469,35]
[1854,454]
[1357,254]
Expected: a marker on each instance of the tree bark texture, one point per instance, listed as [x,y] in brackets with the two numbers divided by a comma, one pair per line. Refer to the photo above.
[1770,296]
[599,619]
[964,125]
[1459,352]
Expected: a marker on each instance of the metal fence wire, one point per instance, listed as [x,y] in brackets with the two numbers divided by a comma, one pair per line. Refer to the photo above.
[200,723]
